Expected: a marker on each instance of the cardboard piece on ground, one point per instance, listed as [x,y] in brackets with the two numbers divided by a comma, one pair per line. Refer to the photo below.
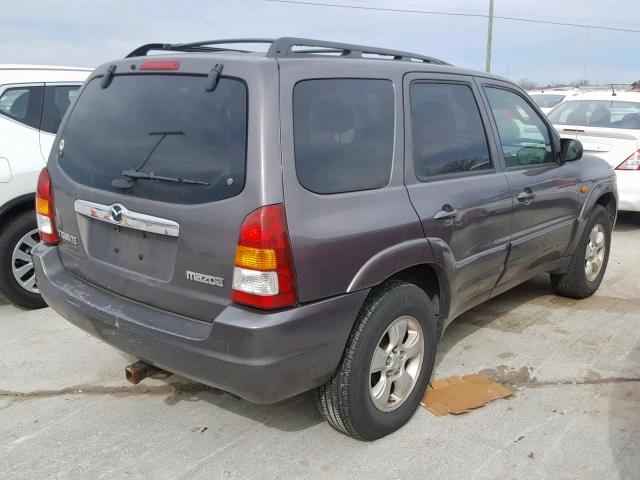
[461,394]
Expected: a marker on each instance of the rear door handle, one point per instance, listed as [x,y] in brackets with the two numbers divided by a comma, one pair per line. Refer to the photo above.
[447,213]
[526,196]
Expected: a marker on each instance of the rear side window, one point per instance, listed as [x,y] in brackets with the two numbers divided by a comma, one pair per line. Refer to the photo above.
[447,132]
[57,99]
[343,133]
[22,104]
[168,125]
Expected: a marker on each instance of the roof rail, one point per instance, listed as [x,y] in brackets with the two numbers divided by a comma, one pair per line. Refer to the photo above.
[203,46]
[285,47]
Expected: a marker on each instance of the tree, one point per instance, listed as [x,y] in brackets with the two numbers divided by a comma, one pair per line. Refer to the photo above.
[527,84]
[581,83]
[635,85]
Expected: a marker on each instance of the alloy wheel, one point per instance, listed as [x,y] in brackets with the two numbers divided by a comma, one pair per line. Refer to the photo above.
[594,256]
[396,363]
[22,263]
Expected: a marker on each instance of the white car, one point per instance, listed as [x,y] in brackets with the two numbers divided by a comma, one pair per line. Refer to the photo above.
[547,99]
[33,100]
[608,126]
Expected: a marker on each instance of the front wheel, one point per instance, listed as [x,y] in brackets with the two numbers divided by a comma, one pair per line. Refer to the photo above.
[386,366]
[589,261]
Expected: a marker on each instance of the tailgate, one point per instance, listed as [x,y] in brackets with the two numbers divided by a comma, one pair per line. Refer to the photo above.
[170,242]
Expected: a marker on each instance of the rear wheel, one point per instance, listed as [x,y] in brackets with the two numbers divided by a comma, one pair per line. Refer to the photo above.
[386,366]
[17,276]
[589,261]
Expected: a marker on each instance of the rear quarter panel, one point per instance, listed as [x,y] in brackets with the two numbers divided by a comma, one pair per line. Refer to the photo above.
[343,242]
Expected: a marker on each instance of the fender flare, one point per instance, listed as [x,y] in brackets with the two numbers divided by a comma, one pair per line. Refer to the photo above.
[599,188]
[411,253]
[14,202]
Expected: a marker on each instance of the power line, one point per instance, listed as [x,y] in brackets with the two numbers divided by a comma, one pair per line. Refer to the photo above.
[453,14]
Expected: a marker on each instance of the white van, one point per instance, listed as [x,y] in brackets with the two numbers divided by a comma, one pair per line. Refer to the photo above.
[33,100]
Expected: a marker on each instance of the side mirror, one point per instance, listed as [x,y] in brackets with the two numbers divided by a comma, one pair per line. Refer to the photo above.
[571,150]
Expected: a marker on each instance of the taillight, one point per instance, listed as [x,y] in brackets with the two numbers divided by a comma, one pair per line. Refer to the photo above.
[44,209]
[631,163]
[263,276]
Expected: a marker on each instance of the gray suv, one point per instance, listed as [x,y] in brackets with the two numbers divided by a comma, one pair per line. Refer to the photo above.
[312,217]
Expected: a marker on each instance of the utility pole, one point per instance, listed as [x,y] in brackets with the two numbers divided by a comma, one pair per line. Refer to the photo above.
[489,35]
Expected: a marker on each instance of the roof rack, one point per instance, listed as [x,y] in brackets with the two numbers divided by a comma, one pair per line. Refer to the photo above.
[286,47]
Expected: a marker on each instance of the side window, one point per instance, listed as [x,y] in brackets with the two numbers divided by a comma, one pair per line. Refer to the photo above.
[343,134]
[447,132]
[524,136]
[22,104]
[57,99]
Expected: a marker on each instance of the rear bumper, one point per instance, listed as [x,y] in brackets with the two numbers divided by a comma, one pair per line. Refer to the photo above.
[262,357]
[628,190]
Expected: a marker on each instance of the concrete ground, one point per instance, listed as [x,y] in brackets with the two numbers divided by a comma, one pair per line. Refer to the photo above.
[66,411]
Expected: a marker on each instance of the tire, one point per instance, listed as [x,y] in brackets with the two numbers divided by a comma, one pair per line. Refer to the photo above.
[12,233]
[346,400]
[576,282]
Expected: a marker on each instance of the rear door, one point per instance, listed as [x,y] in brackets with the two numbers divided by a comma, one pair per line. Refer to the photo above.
[545,192]
[57,99]
[168,244]
[455,182]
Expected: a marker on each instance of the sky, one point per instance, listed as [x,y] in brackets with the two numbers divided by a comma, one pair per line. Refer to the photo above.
[91,32]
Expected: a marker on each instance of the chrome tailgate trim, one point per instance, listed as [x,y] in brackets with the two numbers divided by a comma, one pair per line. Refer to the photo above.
[117,214]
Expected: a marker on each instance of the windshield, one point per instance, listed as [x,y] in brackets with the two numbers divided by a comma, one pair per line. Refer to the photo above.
[598,113]
[168,125]
[547,101]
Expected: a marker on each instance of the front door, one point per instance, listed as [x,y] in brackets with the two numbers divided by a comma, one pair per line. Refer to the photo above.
[456,183]
[545,190]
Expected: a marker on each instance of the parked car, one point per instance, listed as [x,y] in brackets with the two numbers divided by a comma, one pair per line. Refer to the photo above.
[608,126]
[33,100]
[548,98]
[269,224]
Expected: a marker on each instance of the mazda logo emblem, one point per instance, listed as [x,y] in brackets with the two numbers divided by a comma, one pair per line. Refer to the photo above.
[116,212]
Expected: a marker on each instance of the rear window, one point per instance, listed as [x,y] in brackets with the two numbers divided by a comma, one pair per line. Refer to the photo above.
[343,131]
[168,125]
[598,113]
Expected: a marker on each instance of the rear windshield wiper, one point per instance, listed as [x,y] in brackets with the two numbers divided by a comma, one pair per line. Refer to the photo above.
[136,175]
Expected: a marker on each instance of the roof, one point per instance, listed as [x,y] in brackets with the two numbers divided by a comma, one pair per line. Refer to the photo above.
[19,66]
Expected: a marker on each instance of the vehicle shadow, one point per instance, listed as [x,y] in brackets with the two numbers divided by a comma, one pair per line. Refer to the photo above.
[291,415]
[498,314]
